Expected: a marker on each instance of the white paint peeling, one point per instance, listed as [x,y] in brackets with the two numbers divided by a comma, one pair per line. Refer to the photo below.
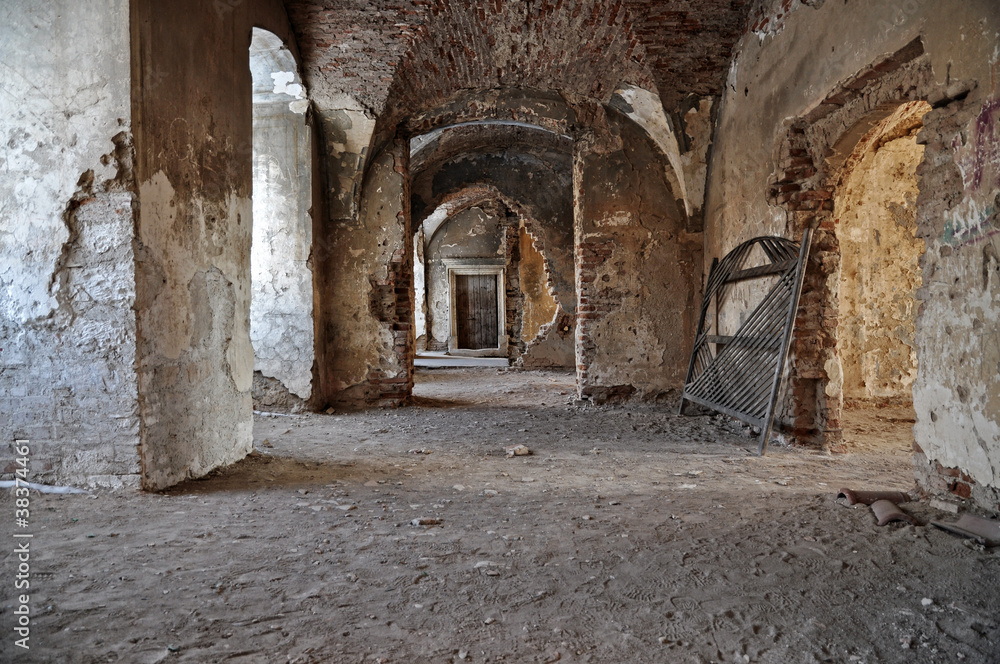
[67,281]
[284,84]
[281,309]
[619,218]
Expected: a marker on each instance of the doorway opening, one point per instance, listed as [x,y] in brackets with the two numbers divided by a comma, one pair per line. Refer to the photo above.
[875,211]
[476,309]
[281,276]
[474,234]
[470,291]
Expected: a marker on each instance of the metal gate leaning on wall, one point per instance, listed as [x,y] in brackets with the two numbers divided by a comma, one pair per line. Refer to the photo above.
[740,375]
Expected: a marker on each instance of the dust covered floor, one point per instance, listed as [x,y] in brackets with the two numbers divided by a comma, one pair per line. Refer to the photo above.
[630,535]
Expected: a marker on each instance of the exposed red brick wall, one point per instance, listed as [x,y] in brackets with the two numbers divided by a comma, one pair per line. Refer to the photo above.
[810,203]
[593,302]
[952,483]
[507,43]
[688,43]
[392,303]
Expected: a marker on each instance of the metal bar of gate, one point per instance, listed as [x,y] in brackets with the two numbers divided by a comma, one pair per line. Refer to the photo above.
[786,340]
[742,377]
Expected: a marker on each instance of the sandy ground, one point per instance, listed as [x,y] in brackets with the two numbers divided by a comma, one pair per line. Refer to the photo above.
[630,535]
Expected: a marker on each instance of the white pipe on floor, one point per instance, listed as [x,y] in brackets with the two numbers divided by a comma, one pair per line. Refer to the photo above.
[40,488]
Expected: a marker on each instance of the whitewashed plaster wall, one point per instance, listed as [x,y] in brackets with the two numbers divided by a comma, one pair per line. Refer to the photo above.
[67,285]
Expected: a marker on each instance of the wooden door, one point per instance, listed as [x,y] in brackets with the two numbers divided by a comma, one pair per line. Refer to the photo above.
[476,311]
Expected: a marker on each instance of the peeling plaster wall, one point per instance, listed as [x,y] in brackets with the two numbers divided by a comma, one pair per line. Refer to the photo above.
[697,125]
[367,291]
[547,330]
[347,131]
[646,110]
[281,304]
[539,305]
[685,147]
[554,346]
[192,108]
[281,301]
[876,206]
[67,286]
[778,76]
[342,147]
[957,391]
[637,268]
[419,291]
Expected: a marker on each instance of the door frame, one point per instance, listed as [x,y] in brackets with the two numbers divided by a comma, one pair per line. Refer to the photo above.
[473,266]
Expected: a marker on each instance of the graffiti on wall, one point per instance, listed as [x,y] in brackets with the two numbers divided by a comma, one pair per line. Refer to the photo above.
[978,158]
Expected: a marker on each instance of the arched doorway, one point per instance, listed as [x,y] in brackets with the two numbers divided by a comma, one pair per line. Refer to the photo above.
[281,304]
[830,160]
[875,225]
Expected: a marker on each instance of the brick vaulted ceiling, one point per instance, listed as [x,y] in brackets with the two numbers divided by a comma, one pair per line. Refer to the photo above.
[401,57]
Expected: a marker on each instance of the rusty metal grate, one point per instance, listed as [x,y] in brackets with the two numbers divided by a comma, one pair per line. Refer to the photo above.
[739,375]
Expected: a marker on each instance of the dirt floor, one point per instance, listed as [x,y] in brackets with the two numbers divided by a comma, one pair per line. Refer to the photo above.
[629,535]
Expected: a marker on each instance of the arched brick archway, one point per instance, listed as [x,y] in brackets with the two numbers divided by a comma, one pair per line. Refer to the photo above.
[480,193]
[521,227]
[812,154]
